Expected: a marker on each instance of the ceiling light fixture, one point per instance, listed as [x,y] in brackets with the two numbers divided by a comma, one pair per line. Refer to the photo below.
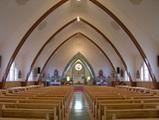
[78,19]
[78,0]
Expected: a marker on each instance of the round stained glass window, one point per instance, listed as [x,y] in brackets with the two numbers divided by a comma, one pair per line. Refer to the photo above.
[78,66]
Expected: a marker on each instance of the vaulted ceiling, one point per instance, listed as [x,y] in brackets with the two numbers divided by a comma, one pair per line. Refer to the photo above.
[125,30]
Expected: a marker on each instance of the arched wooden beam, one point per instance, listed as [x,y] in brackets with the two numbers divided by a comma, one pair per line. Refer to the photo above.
[42,48]
[113,46]
[26,36]
[131,36]
[28,33]
[50,11]
[93,27]
[69,38]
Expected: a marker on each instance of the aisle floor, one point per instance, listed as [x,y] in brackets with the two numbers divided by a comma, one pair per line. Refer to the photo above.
[79,107]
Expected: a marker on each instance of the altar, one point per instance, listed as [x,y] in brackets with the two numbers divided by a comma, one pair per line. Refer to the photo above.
[78,82]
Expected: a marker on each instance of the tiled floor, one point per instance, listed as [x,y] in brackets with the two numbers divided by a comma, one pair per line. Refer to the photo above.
[78,108]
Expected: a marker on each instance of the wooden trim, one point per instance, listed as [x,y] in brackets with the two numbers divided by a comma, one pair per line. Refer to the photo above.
[69,38]
[25,38]
[131,36]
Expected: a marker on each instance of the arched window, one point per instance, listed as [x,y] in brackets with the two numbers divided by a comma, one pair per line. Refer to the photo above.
[13,73]
[31,76]
[126,76]
[16,73]
[144,73]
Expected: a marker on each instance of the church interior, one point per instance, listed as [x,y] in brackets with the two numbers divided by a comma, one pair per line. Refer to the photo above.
[79,59]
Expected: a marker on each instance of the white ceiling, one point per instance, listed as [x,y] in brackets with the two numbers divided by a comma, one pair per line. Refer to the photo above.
[16,19]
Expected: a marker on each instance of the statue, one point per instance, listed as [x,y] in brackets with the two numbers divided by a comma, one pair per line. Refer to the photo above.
[56,73]
[101,79]
[55,79]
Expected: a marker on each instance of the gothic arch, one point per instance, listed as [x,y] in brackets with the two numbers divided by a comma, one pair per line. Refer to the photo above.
[68,40]
[93,27]
[83,59]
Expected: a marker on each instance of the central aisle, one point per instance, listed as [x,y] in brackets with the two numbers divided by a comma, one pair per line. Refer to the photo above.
[79,107]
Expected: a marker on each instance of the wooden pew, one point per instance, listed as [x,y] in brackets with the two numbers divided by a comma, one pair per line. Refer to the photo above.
[130,113]
[48,114]
[5,118]
[132,101]
[109,103]
[122,106]
[34,106]
[138,119]
[55,99]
